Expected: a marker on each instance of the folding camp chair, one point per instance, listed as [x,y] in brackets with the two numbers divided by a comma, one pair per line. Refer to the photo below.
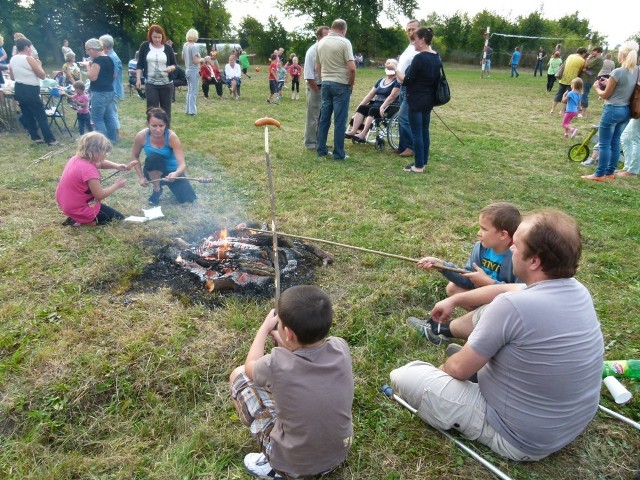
[55,110]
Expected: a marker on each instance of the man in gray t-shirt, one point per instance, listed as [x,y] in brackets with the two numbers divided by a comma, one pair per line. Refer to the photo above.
[537,353]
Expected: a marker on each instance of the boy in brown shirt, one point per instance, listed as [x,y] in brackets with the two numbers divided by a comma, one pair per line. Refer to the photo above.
[297,399]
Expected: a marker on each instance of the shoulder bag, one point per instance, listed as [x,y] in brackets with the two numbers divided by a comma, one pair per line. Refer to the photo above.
[443,92]
[560,71]
[634,102]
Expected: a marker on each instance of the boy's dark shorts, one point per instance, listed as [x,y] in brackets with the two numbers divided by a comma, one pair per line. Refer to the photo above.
[273,86]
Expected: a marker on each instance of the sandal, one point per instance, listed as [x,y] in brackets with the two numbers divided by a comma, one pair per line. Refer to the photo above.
[412,169]
[357,139]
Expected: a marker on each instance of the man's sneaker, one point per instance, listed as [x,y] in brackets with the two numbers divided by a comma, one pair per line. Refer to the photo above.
[426,330]
[589,162]
[154,199]
[258,466]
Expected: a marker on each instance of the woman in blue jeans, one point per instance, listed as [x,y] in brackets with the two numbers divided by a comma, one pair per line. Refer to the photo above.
[101,73]
[616,92]
[421,80]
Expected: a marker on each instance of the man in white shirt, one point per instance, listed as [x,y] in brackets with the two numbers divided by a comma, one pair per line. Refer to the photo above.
[314,99]
[405,148]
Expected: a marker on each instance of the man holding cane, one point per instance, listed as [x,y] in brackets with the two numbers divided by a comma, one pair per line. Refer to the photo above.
[537,353]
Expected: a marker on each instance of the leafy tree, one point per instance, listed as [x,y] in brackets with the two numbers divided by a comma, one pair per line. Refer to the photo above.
[362,17]
[211,19]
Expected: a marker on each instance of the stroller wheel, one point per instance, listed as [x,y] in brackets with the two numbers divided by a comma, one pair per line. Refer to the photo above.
[578,152]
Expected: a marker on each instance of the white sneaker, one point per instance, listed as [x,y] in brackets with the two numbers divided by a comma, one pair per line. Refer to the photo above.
[589,162]
[258,466]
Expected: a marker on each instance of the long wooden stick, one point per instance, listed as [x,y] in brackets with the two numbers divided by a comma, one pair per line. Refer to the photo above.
[367,250]
[265,122]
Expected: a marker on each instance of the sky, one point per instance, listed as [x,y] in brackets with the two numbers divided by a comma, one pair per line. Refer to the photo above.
[608,21]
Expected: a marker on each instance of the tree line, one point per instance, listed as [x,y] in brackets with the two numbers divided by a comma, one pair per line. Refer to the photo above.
[458,37]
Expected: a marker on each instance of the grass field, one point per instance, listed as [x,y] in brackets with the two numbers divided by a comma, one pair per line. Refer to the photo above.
[101,378]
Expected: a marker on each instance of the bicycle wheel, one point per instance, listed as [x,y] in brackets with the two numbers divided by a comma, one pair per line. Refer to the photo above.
[578,153]
[393,132]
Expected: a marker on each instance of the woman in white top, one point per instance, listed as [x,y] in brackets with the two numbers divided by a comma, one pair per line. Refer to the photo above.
[66,49]
[191,56]
[26,71]
[233,72]
[156,64]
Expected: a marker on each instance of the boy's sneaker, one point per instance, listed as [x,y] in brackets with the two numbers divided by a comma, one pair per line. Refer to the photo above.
[258,466]
[426,330]
[589,162]
[154,199]
[452,349]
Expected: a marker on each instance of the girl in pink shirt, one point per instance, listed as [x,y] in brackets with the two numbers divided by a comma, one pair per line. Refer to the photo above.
[80,191]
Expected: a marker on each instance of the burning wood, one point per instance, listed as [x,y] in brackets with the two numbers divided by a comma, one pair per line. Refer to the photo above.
[242,258]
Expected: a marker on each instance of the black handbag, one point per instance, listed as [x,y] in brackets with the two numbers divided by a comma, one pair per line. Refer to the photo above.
[443,92]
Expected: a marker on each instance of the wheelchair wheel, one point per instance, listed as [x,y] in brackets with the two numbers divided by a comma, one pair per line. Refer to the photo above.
[393,132]
[379,143]
[578,153]
[372,134]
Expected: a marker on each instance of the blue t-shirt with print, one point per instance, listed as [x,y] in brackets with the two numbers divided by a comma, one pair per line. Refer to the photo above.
[573,100]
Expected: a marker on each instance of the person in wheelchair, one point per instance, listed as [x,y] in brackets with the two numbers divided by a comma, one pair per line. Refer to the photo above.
[373,105]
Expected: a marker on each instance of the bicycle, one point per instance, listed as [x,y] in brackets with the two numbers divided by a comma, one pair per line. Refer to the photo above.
[580,151]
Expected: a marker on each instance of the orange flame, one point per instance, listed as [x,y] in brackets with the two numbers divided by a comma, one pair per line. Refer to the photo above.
[225,246]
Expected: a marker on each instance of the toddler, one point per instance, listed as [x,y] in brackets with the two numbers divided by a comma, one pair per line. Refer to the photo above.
[80,192]
[295,70]
[81,99]
[572,99]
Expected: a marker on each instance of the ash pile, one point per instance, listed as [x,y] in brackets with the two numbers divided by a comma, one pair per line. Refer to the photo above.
[241,259]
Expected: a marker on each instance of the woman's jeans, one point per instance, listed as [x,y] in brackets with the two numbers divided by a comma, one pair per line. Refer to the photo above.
[419,121]
[193,76]
[630,140]
[103,114]
[613,121]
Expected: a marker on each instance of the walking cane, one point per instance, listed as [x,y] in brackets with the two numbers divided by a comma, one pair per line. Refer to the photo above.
[265,122]
[447,126]
[386,389]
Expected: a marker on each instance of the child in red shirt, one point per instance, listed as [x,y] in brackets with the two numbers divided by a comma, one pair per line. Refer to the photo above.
[273,78]
[295,70]
[80,191]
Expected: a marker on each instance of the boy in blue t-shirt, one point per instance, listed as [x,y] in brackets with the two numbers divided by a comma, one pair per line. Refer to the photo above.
[489,263]
[490,260]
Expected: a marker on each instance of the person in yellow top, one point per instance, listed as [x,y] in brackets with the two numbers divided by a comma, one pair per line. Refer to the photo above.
[573,65]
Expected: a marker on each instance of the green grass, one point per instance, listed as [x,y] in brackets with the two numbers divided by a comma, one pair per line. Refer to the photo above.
[100,378]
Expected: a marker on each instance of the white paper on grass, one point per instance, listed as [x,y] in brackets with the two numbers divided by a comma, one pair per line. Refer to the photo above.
[149,214]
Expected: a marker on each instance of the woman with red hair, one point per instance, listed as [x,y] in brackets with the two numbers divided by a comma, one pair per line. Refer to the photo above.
[156,63]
